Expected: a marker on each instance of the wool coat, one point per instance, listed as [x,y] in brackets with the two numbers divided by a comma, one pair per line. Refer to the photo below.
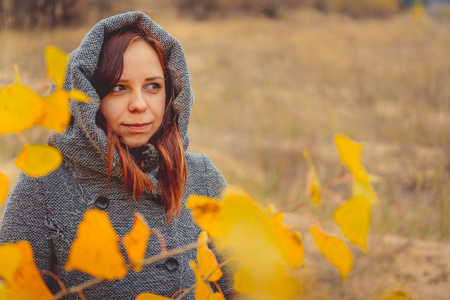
[46,211]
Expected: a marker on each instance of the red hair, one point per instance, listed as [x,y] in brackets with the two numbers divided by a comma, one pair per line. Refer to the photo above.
[173,172]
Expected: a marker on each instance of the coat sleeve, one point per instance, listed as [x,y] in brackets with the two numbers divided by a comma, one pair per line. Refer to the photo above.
[24,218]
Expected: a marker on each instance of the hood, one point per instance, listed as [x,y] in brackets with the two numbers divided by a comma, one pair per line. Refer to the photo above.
[84,142]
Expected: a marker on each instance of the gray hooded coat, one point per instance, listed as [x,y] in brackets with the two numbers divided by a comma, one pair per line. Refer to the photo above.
[46,211]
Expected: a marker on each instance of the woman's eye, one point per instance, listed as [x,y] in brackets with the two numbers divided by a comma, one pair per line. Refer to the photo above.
[153,87]
[118,88]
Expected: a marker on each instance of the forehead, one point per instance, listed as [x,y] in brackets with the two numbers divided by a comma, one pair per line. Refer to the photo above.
[141,56]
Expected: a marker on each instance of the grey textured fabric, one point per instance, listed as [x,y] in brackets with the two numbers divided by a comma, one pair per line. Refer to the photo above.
[46,211]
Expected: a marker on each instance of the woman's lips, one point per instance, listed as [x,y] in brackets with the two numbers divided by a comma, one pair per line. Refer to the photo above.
[137,127]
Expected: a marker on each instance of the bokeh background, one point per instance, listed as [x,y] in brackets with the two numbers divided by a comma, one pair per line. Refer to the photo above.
[272,78]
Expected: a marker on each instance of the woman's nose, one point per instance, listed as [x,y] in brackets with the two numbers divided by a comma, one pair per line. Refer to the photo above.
[137,102]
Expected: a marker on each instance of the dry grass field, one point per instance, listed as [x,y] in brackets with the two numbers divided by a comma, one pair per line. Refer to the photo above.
[267,89]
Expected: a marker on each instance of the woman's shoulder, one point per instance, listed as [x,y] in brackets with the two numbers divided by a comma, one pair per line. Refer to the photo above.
[203,176]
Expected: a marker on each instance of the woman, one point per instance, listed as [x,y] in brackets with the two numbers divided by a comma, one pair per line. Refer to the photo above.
[126,152]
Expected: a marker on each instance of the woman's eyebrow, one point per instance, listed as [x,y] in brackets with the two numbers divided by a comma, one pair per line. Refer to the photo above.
[153,78]
[146,79]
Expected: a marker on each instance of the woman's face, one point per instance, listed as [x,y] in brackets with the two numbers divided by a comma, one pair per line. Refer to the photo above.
[134,109]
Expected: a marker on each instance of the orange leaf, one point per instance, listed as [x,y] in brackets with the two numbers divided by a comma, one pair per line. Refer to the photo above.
[56,114]
[56,61]
[202,288]
[20,107]
[313,184]
[38,160]
[350,153]
[207,260]
[150,296]
[289,242]
[334,250]
[10,257]
[95,250]
[136,240]
[353,218]
[3,187]
[26,283]
[206,213]
[78,95]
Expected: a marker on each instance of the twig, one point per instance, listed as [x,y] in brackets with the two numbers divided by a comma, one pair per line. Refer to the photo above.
[333,195]
[310,216]
[187,291]
[22,138]
[56,278]
[145,262]
[162,241]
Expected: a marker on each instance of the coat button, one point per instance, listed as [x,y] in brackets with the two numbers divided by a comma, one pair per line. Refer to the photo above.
[102,202]
[171,264]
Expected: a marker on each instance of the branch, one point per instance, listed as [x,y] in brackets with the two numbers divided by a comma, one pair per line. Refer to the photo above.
[187,291]
[145,262]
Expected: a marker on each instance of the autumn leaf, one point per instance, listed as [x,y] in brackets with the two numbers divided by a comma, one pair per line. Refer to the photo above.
[4,182]
[334,250]
[150,296]
[206,213]
[353,217]
[20,107]
[56,61]
[207,260]
[258,241]
[56,115]
[313,183]
[10,257]
[38,160]
[22,278]
[396,295]
[350,153]
[277,286]
[202,288]
[136,240]
[95,250]
[288,241]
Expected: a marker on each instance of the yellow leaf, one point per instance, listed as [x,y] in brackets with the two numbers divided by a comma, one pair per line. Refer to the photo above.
[56,61]
[20,108]
[396,295]
[95,250]
[56,114]
[4,294]
[150,296]
[136,240]
[353,218]
[313,185]
[202,288]
[365,188]
[10,257]
[27,282]
[274,286]
[207,260]
[263,243]
[243,282]
[350,153]
[288,242]
[334,250]
[206,213]
[78,95]
[38,160]
[3,187]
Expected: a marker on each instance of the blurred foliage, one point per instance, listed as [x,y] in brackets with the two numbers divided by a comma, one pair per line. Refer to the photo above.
[55,13]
